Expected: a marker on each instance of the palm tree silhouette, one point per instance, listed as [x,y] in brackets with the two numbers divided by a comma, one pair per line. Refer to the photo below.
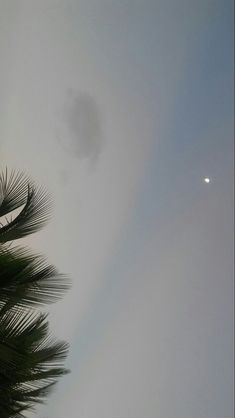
[31,361]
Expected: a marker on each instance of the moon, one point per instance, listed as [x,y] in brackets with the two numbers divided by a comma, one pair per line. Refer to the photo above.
[207,180]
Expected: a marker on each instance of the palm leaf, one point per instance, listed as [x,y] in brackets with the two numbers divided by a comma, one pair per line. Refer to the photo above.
[30,361]
[13,191]
[28,280]
[31,218]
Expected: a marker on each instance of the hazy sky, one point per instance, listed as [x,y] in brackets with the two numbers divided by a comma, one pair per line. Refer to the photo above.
[121,108]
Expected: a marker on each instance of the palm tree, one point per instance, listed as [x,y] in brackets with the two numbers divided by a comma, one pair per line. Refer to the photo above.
[31,361]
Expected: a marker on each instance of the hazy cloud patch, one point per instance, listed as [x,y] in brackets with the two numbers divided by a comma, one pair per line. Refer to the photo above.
[63,177]
[81,131]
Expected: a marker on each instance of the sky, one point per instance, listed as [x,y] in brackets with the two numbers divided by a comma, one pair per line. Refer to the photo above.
[121,109]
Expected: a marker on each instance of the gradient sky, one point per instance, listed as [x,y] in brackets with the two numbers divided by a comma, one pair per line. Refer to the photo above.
[121,108]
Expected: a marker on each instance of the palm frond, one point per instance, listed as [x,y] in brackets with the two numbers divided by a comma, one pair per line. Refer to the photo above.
[31,218]
[13,191]
[30,361]
[28,280]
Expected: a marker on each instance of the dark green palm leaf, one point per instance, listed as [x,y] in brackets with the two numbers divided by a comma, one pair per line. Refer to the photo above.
[31,218]
[13,191]
[27,279]
[30,360]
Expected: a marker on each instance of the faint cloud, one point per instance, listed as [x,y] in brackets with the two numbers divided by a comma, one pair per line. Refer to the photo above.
[81,131]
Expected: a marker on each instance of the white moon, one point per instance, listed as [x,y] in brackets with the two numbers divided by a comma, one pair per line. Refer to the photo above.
[207,180]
